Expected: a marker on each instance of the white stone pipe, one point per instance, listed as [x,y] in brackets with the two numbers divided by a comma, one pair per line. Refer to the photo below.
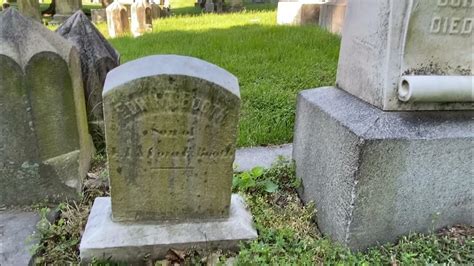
[436,89]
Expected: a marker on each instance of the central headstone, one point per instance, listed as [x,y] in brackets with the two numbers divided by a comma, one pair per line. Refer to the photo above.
[172,142]
[171,124]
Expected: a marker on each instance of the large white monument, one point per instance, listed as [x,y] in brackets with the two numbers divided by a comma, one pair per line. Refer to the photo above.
[389,150]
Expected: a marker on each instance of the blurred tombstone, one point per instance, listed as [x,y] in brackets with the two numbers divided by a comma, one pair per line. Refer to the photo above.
[235,5]
[5,4]
[97,57]
[65,9]
[141,17]
[99,15]
[117,20]
[209,7]
[30,8]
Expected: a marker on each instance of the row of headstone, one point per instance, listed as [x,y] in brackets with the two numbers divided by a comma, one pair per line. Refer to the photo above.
[219,6]
[388,151]
[171,125]
[141,15]
[327,14]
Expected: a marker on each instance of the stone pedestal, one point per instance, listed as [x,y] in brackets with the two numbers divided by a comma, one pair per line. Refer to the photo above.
[332,16]
[376,175]
[127,242]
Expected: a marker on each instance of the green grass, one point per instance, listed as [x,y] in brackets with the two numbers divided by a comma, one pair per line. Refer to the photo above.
[287,233]
[273,63]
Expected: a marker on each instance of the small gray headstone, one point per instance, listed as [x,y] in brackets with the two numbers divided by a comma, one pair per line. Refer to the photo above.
[45,147]
[98,57]
[171,124]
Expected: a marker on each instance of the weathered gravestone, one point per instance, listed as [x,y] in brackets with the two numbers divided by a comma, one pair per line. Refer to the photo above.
[30,8]
[98,15]
[45,147]
[298,12]
[377,175]
[65,9]
[171,125]
[98,57]
[117,20]
[141,18]
[332,14]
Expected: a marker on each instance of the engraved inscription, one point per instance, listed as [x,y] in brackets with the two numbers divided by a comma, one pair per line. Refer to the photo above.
[452,25]
[171,102]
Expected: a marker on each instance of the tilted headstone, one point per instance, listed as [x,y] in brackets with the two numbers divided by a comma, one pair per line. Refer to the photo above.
[209,7]
[98,57]
[117,20]
[45,148]
[432,50]
[65,9]
[141,17]
[30,8]
[171,125]
[374,170]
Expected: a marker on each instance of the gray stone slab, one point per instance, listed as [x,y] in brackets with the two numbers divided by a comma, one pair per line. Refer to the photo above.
[127,242]
[248,158]
[376,175]
[45,148]
[16,229]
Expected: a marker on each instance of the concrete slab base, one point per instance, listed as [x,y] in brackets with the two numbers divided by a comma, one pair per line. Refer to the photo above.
[104,239]
[16,229]
[248,158]
[375,176]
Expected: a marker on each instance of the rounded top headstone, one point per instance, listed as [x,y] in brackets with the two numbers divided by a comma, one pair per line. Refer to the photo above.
[18,44]
[171,65]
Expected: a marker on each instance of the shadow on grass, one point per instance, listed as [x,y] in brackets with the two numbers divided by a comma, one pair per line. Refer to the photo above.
[273,63]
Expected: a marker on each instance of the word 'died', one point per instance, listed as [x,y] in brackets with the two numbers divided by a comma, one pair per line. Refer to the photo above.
[453,25]
[448,25]
[172,102]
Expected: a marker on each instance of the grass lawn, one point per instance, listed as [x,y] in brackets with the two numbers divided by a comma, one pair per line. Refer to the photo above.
[273,63]
[287,233]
